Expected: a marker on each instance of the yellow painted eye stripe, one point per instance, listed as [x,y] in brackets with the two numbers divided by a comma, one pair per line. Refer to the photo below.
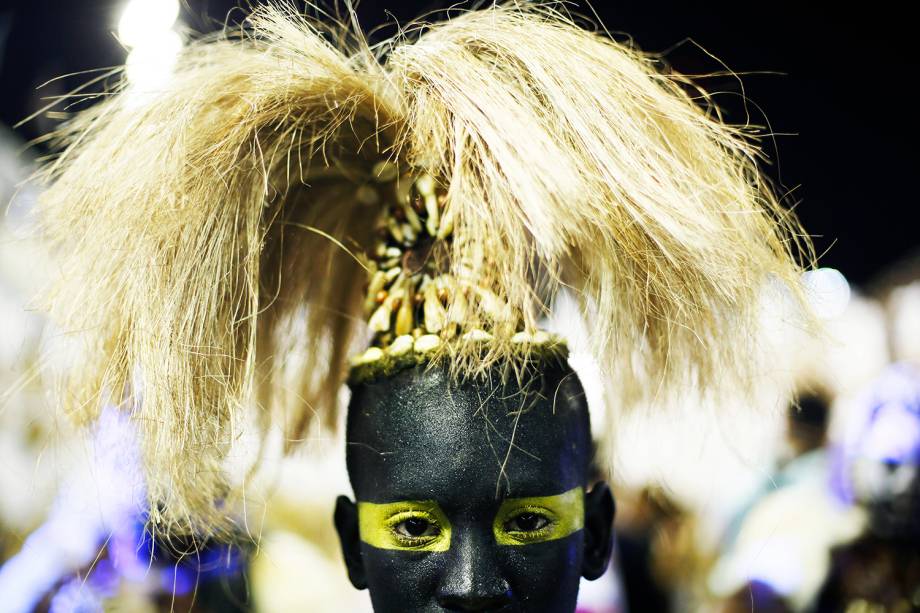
[377,522]
[565,512]
[377,525]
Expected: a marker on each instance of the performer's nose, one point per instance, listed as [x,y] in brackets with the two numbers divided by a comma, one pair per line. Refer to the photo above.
[473,580]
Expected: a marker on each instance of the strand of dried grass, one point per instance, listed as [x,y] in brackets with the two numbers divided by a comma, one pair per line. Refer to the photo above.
[568,160]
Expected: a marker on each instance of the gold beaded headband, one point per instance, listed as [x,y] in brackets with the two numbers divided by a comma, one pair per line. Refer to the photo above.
[416,303]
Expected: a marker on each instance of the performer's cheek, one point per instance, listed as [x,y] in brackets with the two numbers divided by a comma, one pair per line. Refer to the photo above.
[528,568]
[402,581]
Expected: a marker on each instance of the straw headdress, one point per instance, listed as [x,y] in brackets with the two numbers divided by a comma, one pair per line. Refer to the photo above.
[212,236]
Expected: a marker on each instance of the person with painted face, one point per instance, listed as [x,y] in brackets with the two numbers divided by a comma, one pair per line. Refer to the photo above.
[293,195]
[486,500]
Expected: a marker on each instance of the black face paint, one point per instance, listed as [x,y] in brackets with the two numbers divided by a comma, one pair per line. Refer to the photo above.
[470,496]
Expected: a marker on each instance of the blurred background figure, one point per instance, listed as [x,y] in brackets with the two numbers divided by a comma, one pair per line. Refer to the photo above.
[657,554]
[880,570]
[776,549]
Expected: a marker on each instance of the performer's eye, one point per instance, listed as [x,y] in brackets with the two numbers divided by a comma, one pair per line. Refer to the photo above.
[527,521]
[404,525]
[416,528]
[537,519]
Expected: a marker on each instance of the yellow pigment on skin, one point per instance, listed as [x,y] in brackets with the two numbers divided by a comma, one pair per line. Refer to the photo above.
[377,522]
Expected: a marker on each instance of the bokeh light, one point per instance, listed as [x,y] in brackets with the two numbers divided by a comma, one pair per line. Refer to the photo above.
[828,291]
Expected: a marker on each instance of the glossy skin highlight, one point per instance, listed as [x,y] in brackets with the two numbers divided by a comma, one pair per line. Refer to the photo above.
[472,496]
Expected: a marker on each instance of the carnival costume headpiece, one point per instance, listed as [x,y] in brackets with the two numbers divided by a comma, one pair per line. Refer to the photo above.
[226,241]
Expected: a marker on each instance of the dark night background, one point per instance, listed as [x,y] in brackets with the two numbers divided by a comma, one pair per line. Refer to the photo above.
[834,84]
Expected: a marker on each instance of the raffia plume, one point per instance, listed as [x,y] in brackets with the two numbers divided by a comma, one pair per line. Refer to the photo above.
[210,237]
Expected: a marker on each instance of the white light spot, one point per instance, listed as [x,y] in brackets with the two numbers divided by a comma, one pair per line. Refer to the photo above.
[145,28]
[149,66]
[142,20]
[828,292]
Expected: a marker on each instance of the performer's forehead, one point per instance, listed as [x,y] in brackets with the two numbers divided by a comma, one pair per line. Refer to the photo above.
[418,435]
